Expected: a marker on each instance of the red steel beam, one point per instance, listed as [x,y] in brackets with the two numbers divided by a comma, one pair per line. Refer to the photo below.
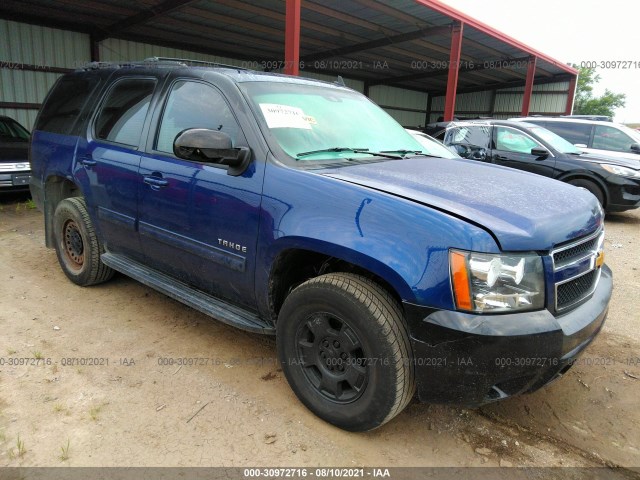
[570,95]
[292,38]
[528,86]
[454,66]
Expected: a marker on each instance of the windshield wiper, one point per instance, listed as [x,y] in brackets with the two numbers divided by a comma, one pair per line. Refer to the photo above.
[348,149]
[405,152]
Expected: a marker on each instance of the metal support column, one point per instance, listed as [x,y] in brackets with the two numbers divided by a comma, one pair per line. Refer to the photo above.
[454,66]
[528,86]
[292,38]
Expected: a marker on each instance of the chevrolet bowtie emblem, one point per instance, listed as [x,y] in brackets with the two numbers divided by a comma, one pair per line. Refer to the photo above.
[600,258]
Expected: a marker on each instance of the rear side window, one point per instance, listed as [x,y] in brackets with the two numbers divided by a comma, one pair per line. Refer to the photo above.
[576,133]
[124,110]
[65,103]
[477,136]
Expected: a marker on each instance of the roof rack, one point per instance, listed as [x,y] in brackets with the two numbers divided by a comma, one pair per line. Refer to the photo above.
[189,62]
[156,62]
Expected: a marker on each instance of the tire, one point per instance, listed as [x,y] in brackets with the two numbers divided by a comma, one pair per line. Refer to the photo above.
[77,245]
[343,345]
[591,186]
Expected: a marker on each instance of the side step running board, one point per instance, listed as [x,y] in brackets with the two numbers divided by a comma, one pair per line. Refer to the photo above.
[203,302]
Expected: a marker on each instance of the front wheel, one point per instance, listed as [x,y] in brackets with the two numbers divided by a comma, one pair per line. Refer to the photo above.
[344,348]
[77,245]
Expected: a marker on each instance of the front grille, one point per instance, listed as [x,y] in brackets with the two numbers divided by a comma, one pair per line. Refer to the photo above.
[573,291]
[562,257]
[576,270]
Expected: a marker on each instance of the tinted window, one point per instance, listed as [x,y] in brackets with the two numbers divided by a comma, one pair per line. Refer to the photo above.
[572,132]
[476,135]
[64,104]
[194,105]
[609,138]
[123,112]
[512,140]
[11,131]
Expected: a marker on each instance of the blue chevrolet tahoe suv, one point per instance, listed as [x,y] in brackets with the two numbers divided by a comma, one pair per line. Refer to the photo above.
[299,208]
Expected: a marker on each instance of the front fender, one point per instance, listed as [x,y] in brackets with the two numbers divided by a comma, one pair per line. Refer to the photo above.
[402,241]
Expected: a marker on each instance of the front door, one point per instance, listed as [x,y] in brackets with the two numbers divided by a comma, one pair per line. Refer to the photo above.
[197,223]
[512,148]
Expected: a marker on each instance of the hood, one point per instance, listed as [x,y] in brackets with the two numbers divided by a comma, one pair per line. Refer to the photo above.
[522,210]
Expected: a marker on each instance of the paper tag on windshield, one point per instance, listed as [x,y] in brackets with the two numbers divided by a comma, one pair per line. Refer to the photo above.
[284,116]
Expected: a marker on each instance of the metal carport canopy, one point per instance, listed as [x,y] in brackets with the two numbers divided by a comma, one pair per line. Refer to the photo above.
[419,45]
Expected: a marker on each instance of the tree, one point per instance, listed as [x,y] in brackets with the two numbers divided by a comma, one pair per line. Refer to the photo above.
[588,104]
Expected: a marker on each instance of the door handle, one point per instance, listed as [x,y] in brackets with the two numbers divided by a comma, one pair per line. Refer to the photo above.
[87,161]
[155,181]
[501,157]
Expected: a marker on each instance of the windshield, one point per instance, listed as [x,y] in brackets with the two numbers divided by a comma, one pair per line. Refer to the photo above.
[433,147]
[558,143]
[314,123]
[12,131]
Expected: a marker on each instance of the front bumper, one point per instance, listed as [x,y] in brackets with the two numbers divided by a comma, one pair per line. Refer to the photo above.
[624,193]
[471,360]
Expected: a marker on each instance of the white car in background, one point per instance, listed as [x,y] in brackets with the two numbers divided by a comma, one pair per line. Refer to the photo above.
[431,146]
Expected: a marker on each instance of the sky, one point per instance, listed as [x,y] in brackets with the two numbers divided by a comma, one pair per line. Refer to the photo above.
[574,31]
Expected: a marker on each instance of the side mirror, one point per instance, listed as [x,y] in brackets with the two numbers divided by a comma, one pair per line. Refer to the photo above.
[540,153]
[635,147]
[211,146]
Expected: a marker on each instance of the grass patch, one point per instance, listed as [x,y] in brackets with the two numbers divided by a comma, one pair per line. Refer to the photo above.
[19,450]
[37,355]
[64,456]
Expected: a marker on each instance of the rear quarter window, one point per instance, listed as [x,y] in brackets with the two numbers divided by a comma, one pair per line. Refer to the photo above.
[64,104]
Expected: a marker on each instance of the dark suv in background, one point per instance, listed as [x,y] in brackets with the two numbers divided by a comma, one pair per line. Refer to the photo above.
[615,182]
[15,171]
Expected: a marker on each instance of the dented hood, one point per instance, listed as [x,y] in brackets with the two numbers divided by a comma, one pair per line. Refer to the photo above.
[523,211]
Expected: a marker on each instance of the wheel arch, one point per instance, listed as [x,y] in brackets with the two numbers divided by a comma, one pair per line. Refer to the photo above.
[56,189]
[294,265]
[591,178]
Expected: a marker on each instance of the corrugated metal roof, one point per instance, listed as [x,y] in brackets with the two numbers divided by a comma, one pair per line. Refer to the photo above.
[254,32]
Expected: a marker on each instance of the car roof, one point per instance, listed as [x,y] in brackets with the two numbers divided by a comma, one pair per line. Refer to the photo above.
[487,122]
[200,69]
[564,120]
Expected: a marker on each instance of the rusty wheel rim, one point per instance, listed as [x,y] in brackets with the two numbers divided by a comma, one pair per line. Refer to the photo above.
[73,245]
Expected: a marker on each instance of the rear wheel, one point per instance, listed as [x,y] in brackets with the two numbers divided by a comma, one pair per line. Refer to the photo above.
[77,245]
[591,186]
[344,348]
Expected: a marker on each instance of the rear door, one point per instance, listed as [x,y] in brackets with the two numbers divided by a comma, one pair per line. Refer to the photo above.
[512,148]
[197,223]
[109,157]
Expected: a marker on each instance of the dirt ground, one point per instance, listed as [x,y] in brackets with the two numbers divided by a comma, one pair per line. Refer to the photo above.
[133,407]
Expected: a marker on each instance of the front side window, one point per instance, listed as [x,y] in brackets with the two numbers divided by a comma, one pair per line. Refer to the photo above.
[194,105]
[511,140]
[124,110]
[609,138]
[313,123]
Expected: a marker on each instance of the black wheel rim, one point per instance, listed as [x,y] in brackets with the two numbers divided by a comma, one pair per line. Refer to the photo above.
[73,245]
[332,357]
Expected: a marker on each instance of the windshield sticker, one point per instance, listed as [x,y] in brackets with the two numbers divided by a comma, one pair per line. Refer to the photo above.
[285,116]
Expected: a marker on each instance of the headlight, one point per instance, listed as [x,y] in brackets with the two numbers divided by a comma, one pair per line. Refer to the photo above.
[624,171]
[489,283]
